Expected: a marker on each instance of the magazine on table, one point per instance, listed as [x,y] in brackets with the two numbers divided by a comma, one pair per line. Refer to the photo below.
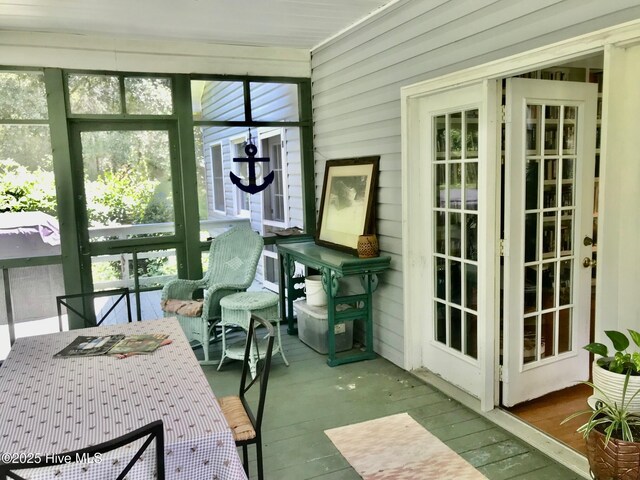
[85,346]
[138,344]
[88,346]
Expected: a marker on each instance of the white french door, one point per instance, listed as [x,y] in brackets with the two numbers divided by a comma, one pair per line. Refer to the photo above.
[455,210]
[549,173]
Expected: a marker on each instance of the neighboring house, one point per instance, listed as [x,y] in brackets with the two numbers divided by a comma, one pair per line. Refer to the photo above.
[279,206]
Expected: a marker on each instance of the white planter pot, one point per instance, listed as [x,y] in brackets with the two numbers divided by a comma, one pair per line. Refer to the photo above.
[612,383]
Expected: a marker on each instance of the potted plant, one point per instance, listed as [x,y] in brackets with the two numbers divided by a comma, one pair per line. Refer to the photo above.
[609,371]
[612,434]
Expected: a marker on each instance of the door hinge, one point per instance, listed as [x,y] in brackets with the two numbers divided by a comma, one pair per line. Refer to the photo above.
[503,113]
[501,247]
[500,374]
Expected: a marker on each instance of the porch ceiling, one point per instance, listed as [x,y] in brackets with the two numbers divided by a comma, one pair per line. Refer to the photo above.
[283,23]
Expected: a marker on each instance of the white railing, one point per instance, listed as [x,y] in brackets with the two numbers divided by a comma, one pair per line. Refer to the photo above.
[212,227]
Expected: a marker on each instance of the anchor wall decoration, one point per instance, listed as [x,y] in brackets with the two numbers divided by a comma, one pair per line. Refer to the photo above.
[250,149]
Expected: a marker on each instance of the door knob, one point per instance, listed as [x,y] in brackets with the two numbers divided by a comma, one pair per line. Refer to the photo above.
[588,262]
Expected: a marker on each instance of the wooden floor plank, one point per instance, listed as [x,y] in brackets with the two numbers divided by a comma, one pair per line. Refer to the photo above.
[309,397]
[478,440]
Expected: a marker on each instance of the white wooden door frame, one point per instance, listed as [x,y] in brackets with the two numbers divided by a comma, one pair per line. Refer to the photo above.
[415,261]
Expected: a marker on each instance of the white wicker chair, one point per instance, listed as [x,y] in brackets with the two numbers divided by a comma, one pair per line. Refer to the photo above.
[233,259]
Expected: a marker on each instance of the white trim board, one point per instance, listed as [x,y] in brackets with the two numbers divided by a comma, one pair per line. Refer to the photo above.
[94,52]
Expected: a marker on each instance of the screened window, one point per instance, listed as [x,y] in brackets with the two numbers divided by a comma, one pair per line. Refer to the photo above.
[93,94]
[28,210]
[148,96]
[28,203]
[274,195]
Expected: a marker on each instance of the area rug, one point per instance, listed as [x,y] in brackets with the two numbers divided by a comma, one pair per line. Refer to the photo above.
[397,448]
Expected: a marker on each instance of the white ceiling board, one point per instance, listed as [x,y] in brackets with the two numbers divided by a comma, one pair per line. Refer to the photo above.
[285,23]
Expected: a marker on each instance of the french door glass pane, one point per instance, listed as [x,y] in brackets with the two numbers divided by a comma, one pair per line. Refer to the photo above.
[549,230]
[547,335]
[471,186]
[471,123]
[564,330]
[533,127]
[471,329]
[455,217]
[127,180]
[531,184]
[440,189]
[455,135]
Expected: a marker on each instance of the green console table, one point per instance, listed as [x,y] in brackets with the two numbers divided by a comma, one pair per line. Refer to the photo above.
[332,265]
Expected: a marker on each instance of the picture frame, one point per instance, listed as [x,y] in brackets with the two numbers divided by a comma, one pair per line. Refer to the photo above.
[347,205]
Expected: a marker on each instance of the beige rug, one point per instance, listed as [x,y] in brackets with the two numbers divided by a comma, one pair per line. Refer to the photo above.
[397,448]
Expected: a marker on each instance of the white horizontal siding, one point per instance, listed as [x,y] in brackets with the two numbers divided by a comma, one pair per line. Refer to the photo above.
[356,81]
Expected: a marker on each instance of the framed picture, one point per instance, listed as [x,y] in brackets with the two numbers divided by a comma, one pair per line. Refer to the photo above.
[348,202]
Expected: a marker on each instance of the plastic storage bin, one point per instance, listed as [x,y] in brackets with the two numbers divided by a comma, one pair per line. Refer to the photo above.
[313,328]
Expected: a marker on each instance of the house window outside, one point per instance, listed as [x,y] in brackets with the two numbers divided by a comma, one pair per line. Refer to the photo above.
[217,169]
[271,268]
[274,197]
[243,199]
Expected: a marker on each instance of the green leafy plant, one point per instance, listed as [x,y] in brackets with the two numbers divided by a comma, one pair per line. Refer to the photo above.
[609,418]
[24,190]
[622,361]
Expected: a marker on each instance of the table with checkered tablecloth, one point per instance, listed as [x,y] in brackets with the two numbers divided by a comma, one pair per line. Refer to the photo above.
[53,405]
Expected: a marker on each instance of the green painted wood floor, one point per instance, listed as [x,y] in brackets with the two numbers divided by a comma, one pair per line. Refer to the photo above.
[308,397]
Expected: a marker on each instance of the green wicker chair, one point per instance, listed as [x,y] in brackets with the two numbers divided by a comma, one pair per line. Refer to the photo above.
[233,259]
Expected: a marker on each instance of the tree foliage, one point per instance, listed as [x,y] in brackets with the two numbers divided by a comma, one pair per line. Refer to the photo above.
[22,190]
[125,196]
[126,172]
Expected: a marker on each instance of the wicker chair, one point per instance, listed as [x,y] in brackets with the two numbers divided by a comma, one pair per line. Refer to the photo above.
[233,259]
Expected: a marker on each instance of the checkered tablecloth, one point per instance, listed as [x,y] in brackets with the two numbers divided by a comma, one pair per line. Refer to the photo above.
[53,405]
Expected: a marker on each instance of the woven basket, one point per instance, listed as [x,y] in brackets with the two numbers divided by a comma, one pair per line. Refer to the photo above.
[617,460]
[368,246]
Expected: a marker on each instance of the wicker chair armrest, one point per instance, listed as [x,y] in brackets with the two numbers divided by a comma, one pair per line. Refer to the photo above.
[181,289]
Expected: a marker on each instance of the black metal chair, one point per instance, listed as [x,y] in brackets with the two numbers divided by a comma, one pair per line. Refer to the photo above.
[153,431]
[122,294]
[246,425]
